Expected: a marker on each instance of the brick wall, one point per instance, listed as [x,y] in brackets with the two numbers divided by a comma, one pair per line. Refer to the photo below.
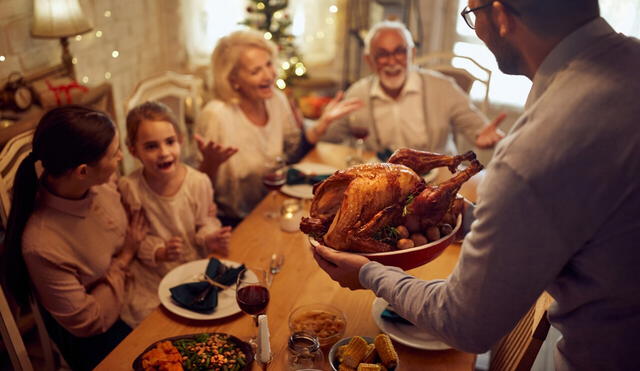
[147,35]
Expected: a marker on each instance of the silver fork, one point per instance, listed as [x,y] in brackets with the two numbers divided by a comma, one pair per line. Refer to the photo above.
[275,265]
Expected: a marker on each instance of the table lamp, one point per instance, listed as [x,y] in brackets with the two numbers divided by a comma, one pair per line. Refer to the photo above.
[60,19]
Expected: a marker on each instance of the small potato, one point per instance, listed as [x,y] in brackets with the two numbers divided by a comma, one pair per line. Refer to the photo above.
[412,222]
[448,218]
[404,243]
[445,229]
[403,232]
[433,233]
[418,239]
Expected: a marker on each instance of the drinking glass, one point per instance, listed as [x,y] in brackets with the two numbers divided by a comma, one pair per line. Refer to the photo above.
[359,131]
[273,178]
[252,295]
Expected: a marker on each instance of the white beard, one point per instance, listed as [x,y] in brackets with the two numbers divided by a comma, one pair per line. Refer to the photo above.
[393,82]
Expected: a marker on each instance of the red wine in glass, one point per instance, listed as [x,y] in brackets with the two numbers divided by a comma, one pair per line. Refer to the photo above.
[359,132]
[253,299]
[274,181]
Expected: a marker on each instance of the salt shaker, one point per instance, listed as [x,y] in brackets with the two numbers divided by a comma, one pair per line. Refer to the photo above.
[304,352]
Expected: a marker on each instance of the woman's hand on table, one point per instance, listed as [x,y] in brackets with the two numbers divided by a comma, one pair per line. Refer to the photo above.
[342,267]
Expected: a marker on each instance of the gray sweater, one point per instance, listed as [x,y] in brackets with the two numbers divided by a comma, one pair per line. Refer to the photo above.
[558,210]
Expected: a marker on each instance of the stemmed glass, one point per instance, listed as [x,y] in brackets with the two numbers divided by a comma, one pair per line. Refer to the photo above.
[359,131]
[273,178]
[252,295]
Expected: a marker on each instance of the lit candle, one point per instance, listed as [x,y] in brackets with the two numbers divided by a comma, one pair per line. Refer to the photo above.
[290,215]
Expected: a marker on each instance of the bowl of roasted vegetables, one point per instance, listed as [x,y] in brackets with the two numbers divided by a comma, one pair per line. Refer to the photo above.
[364,353]
[387,212]
[197,352]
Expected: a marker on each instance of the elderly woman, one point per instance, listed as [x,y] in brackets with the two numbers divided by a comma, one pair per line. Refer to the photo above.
[249,122]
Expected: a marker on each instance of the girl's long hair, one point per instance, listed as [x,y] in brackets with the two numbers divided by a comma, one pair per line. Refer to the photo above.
[66,137]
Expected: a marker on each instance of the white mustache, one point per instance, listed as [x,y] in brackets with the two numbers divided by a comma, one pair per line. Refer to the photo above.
[392,69]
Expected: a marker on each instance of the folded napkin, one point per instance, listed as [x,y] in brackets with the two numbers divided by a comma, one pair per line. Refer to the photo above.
[384,154]
[391,316]
[295,176]
[186,293]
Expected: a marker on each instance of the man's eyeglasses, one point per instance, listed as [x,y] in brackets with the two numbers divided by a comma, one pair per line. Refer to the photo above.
[469,16]
[383,56]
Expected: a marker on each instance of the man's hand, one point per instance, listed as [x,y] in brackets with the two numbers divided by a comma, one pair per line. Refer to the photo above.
[338,107]
[213,154]
[342,267]
[490,134]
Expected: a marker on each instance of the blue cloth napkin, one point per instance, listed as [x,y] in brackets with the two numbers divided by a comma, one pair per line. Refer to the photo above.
[185,294]
[295,176]
[384,154]
[391,316]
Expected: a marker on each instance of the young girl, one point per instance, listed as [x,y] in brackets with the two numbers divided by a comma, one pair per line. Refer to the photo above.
[177,200]
[69,231]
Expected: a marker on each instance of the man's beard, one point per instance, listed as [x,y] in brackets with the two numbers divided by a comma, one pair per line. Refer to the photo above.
[509,59]
[393,82]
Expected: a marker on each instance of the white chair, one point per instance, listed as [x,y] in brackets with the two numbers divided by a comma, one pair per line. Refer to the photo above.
[443,62]
[182,93]
[12,154]
[12,338]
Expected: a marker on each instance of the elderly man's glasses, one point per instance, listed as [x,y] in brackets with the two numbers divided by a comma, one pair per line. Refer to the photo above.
[469,15]
[384,56]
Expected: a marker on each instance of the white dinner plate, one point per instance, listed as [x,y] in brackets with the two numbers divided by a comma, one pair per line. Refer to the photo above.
[408,335]
[191,272]
[305,191]
[431,175]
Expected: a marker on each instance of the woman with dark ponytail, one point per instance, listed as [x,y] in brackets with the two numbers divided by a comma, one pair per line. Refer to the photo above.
[68,234]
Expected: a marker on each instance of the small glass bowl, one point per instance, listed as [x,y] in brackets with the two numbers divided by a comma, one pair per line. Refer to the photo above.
[325,321]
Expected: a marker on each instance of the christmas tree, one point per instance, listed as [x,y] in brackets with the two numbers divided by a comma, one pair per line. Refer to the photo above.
[270,17]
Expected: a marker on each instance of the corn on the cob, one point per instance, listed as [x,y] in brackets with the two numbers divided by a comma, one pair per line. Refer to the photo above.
[368,367]
[371,354]
[340,352]
[344,367]
[355,351]
[385,350]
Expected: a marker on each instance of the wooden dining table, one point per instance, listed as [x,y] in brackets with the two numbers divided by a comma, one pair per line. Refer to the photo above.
[299,282]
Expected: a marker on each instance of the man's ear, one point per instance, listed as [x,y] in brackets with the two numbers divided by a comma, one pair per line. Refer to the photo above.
[502,18]
[369,59]
[81,171]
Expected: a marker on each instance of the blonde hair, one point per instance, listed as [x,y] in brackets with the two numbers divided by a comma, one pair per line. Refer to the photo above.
[224,60]
[149,111]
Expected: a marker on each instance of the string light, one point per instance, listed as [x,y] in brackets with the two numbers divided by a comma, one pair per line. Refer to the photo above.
[328,20]
[78,37]
[74,60]
[85,79]
[281,84]
[98,34]
[333,9]
[107,13]
[286,65]
[268,35]
[2,58]
[115,54]
[107,75]
[260,5]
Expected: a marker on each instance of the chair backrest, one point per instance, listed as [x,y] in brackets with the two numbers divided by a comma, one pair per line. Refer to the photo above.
[182,93]
[12,154]
[11,337]
[443,62]
[518,349]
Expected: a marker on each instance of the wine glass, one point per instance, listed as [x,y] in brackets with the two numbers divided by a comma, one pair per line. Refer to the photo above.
[252,295]
[273,178]
[359,131]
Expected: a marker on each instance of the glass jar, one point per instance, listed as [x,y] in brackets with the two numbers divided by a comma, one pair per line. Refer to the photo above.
[304,352]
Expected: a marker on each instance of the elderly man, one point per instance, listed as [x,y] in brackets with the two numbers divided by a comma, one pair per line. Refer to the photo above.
[407,107]
[559,208]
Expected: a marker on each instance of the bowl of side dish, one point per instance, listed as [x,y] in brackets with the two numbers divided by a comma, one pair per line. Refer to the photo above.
[325,321]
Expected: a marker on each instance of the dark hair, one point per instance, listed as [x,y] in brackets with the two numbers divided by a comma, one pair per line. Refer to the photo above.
[553,17]
[66,137]
[149,111]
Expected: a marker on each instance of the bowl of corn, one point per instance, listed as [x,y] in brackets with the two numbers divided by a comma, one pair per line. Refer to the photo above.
[364,353]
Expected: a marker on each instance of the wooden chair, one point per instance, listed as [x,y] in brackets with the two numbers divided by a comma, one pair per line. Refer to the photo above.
[12,154]
[518,350]
[182,93]
[443,62]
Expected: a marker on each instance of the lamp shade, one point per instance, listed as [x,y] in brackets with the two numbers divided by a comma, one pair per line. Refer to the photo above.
[58,18]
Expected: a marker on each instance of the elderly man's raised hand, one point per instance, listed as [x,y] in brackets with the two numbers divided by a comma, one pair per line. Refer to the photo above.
[342,267]
[490,135]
